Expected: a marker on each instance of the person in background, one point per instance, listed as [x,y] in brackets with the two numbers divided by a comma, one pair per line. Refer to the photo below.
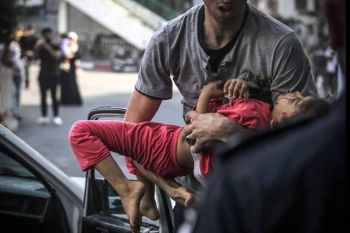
[19,32]
[18,75]
[70,94]
[330,80]
[27,42]
[319,63]
[9,65]
[49,55]
[292,179]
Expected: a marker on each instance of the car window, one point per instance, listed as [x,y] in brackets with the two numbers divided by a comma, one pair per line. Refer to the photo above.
[16,179]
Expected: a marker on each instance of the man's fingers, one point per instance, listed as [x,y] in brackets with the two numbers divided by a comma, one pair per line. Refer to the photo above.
[229,85]
[244,92]
[198,146]
[190,116]
[246,95]
[236,90]
[188,129]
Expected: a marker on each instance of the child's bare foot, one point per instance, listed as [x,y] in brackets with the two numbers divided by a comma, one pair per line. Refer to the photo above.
[148,207]
[130,198]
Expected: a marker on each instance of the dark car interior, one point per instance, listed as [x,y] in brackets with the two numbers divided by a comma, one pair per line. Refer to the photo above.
[26,203]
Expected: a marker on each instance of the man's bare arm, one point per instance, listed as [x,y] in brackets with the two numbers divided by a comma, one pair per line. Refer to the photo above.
[141,108]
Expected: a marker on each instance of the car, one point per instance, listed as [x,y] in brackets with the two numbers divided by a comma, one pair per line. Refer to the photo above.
[124,60]
[36,196]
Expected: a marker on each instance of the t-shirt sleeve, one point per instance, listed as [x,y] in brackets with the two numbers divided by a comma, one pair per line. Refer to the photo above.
[154,75]
[291,68]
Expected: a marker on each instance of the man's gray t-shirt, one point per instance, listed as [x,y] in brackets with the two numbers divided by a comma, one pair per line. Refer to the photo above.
[265,48]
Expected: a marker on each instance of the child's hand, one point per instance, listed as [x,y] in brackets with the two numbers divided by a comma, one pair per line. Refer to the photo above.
[236,88]
[213,90]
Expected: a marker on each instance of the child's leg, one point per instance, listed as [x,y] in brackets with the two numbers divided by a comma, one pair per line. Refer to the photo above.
[130,192]
[177,192]
[92,142]
[148,206]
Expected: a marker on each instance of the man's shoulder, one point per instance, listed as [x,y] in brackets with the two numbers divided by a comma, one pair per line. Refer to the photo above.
[267,23]
[187,20]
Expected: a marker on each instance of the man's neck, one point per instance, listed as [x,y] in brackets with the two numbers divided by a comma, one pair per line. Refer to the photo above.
[218,34]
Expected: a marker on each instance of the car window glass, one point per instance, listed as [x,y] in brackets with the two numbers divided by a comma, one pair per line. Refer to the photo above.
[15,178]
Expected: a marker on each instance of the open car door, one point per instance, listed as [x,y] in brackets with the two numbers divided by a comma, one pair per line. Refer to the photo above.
[103,211]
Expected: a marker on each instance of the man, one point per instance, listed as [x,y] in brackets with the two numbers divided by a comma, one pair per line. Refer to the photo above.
[27,43]
[288,180]
[49,56]
[217,40]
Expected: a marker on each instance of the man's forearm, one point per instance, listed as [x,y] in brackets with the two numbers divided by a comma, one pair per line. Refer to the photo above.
[141,108]
[228,128]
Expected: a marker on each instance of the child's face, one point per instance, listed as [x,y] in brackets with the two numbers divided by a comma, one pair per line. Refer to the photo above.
[286,106]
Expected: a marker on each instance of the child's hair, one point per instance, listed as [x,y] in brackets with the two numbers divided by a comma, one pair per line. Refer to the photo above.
[309,108]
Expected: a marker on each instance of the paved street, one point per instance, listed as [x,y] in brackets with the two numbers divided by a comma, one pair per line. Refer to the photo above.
[97,88]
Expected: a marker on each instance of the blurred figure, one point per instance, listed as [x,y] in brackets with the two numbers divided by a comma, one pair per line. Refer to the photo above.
[27,43]
[18,75]
[49,56]
[9,64]
[331,72]
[70,94]
[319,63]
[65,50]
[19,32]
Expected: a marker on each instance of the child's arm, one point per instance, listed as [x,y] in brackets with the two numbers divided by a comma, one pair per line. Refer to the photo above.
[212,90]
[233,88]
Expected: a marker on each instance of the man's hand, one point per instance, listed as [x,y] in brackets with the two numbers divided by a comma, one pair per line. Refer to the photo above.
[207,129]
[177,192]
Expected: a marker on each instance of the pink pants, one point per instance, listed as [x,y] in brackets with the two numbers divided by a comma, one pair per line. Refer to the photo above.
[153,145]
